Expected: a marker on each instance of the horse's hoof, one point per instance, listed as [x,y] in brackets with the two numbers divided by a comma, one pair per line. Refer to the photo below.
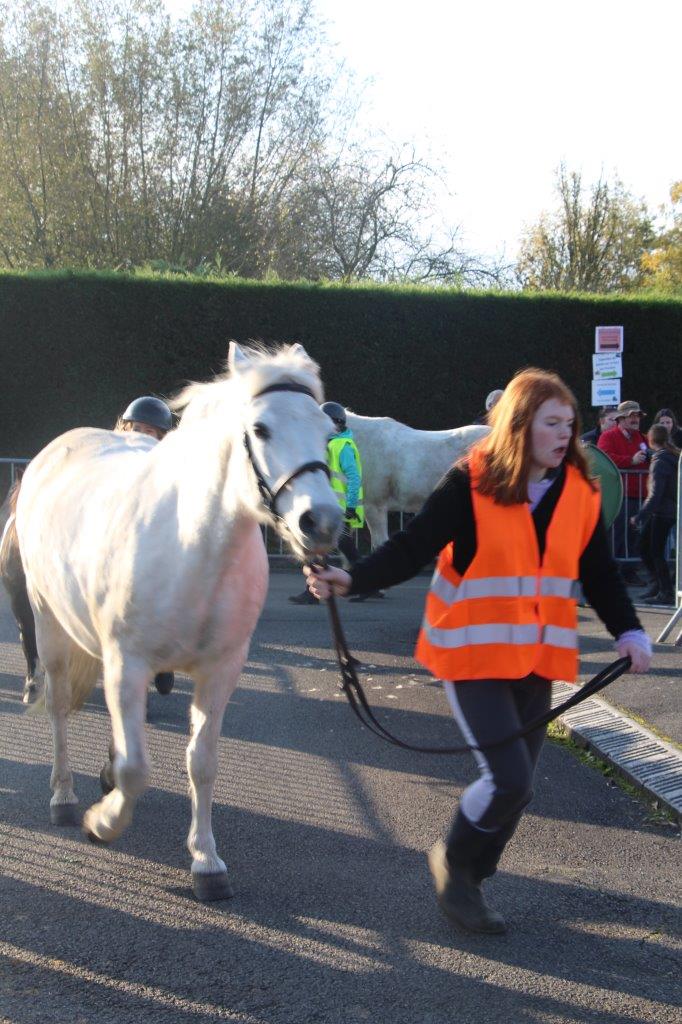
[211,887]
[92,828]
[30,693]
[64,814]
[92,838]
[106,778]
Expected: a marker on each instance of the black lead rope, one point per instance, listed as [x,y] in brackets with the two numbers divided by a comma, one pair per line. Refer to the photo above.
[358,701]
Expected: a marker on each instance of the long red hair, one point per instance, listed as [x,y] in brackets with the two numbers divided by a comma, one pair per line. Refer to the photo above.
[506,452]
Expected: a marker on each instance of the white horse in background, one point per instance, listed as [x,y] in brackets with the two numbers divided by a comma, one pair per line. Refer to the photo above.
[401,466]
[144,556]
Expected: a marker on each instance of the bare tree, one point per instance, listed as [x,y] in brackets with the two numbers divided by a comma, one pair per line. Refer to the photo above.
[363,215]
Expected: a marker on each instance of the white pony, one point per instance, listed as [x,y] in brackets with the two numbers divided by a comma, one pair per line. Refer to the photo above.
[145,556]
[401,466]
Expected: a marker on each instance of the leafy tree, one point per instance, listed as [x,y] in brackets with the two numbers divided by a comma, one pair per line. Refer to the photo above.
[662,264]
[127,138]
[592,242]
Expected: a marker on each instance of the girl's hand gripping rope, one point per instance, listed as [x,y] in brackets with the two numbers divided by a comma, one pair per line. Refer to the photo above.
[323,581]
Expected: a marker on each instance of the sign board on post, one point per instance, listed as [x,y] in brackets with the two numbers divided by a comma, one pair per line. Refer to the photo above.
[606,392]
[608,339]
[606,365]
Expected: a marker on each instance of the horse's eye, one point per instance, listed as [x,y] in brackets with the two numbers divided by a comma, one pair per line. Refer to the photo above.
[261,431]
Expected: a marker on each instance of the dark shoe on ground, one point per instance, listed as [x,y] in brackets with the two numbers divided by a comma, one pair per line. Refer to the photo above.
[305,598]
[371,594]
[666,599]
[164,682]
[460,899]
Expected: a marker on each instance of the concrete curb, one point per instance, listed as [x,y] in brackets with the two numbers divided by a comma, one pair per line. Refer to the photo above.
[641,757]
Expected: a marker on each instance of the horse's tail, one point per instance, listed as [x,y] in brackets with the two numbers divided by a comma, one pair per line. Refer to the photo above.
[10,558]
[82,672]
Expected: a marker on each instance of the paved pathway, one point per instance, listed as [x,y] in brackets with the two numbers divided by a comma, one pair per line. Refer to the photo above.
[325,832]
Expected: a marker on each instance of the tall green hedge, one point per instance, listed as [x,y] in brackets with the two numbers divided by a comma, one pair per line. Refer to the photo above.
[76,347]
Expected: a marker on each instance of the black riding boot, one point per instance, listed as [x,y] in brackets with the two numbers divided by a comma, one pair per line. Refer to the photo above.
[487,861]
[457,877]
[653,588]
[164,682]
[666,594]
[304,598]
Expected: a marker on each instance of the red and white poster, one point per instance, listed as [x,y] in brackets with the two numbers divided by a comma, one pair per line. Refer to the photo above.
[608,339]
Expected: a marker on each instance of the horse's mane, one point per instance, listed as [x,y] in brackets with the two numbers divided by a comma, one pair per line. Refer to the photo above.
[267,366]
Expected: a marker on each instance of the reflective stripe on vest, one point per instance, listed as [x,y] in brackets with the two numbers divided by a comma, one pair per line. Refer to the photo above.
[501,633]
[335,446]
[510,614]
[502,586]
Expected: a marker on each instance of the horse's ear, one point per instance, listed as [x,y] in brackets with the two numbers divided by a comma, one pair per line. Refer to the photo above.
[237,359]
[297,350]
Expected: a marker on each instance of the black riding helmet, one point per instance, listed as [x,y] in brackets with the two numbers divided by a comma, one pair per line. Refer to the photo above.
[335,412]
[152,411]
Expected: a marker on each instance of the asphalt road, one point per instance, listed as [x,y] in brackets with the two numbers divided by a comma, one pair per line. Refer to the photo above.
[325,832]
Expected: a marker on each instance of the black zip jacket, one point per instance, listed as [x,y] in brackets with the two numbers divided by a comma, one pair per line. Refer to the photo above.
[662,497]
[448,515]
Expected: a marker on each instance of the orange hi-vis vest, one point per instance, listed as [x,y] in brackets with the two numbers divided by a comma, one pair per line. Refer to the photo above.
[511,613]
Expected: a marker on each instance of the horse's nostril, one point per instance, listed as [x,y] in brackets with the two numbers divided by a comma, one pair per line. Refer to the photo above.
[320,523]
[307,524]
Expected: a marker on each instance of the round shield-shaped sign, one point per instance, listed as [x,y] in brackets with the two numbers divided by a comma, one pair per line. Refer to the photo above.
[610,479]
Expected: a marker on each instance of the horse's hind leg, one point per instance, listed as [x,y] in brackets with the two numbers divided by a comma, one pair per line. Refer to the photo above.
[377,523]
[125,688]
[54,646]
[23,614]
[211,694]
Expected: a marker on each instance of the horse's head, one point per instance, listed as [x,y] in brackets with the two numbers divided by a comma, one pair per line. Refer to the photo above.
[285,445]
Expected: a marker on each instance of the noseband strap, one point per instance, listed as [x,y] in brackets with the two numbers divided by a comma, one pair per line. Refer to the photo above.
[269,494]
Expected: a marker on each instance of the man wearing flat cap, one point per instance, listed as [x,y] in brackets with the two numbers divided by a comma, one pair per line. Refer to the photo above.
[626,445]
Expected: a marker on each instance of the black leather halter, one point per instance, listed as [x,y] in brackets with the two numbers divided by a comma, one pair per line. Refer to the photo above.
[270,493]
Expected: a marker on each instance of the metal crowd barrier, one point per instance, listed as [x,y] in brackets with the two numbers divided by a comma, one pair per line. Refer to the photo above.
[677,614]
[625,542]
[631,505]
[9,470]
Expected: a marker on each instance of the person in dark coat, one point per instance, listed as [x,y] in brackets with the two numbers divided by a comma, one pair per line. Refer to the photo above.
[658,514]
[605,420]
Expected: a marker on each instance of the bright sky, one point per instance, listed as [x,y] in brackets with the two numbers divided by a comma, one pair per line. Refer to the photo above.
[500,93]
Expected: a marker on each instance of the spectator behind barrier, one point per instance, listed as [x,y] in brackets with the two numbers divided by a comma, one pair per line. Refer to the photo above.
[606,419]
[491,401]
[657,515]
[627,447]
[668,419]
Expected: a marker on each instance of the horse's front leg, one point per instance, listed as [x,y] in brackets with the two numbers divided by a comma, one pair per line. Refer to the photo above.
[211,694]
[125,688]
[54,647]
[64,802]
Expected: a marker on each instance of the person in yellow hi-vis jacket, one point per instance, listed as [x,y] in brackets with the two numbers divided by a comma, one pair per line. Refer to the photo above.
[345,467]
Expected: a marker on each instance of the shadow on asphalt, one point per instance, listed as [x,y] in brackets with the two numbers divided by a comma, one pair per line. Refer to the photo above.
[326,927]
[353,920]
